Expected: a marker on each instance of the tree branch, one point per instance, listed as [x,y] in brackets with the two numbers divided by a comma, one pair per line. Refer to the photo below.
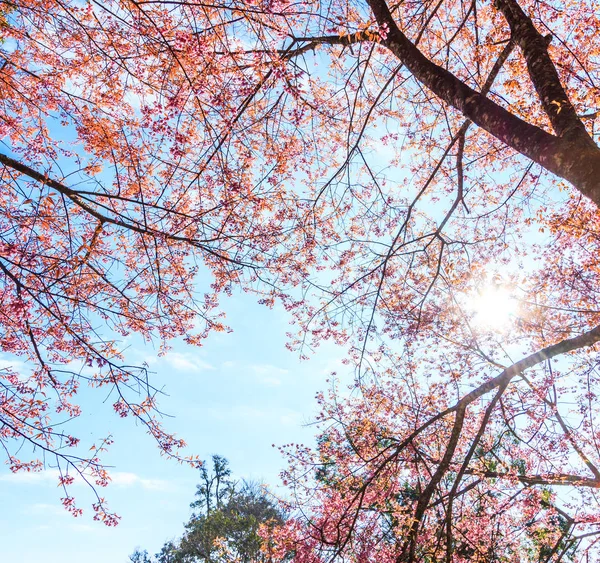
[543,74]
[130,225]
[575,160]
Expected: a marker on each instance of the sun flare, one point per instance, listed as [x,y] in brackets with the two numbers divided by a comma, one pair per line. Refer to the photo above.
[493,307]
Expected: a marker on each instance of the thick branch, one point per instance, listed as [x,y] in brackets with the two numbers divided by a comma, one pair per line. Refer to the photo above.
[311,43]
[426,495]
[563,347]
[564,479]
[500,382]
[542,72]
[576,161]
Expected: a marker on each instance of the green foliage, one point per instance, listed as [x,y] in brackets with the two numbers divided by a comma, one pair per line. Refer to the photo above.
[215,487]
[544,541]
[140,556]
[225,523]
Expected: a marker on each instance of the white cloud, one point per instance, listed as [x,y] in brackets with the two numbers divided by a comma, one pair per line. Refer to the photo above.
[41,509]
[14,364]
[31,477]
[271,381]
[150,360]
[117,478]
[333,365]
[124,479]
[157,485]
[292,418]
[268,374]
[268,369]
[186,362]
[244,413]
[21,368]
[248,413]
[85,528]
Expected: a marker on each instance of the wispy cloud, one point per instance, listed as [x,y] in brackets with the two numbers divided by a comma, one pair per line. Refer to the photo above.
[124,479]
[86,528]
[251,416]
[186,362]
[333,365]
[268,374]
[17,366]
[14,364]
[41,509]
[291,418]
[31,477]
[117,478]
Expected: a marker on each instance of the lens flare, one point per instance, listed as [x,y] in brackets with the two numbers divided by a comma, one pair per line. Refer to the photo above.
[493,307]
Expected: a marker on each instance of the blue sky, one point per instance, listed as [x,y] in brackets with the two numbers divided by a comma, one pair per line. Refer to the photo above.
[236,396]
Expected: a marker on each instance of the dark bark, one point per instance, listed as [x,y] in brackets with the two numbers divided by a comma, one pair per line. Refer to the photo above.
[543,74]
[573,157]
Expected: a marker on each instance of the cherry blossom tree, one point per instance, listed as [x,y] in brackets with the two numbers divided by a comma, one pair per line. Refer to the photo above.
[399,176]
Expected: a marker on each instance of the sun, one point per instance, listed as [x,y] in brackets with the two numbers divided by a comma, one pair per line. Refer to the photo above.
[493,306]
